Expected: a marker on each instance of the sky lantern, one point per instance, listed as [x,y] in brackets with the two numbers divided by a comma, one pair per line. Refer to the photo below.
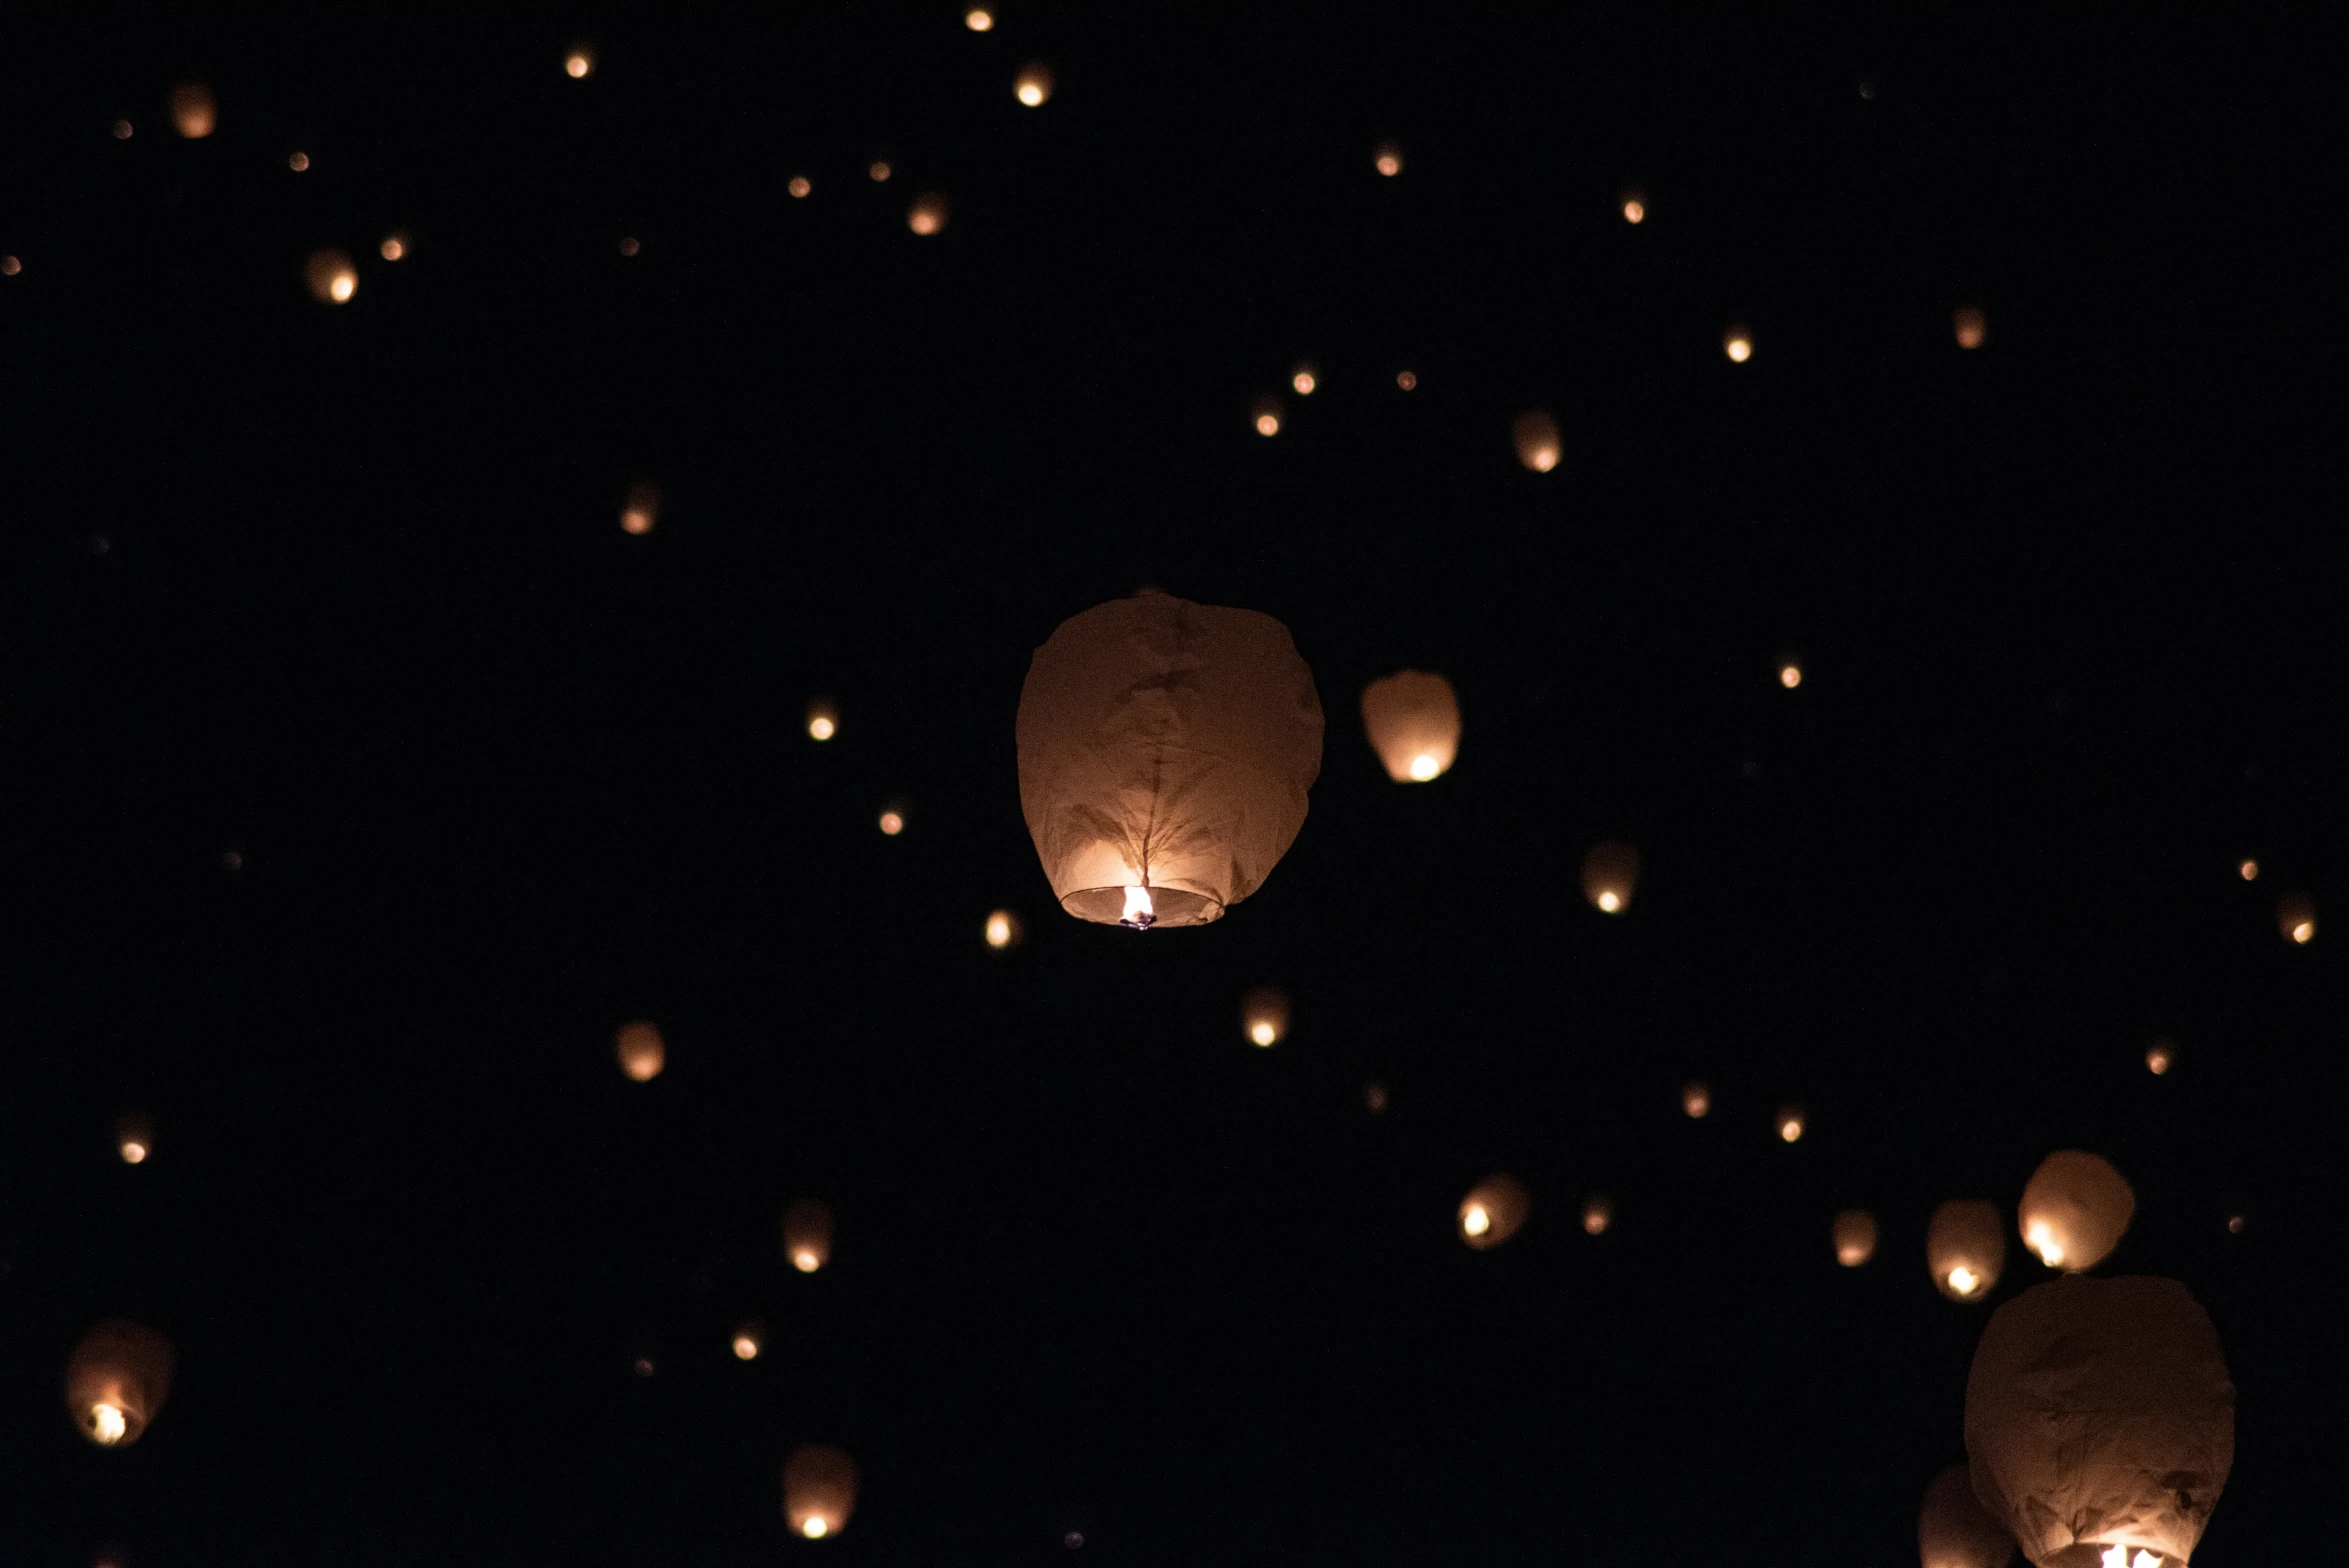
[2074,1210]
[1790,674]
[878,171]
[1954,1532]
[823,719]
[750,1337]
[892,819]
[807,1234]
[1304,379]
[124,130]
[1855,1237]
[2100,1422]
[1635,204]
[396,245]
[2248,870]
[2296,917]
[978,19]
[1610,875]
[1738,343]
[1387,158]
[819,1490]
[641,1050]
[1406,380]
[1598,1212]
[578,63]
[640,509]
[1374,1097]
[1002,929]
[630,245]
[134,1137]
[116,1381]
[2161,1056]
[10,266]
[1696,1100]
[1413,720]
[1264,1015]
[928,213]
[332,278]
[1494,1210]
[298,161]
[1790,1123]
[195,114]
[1265,414]
[1033,85]
[799,185]
[1165,753]
[1535,435]
[1965,1248]
[1969,326]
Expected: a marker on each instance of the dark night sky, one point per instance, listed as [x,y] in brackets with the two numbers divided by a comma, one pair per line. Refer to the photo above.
[342,590]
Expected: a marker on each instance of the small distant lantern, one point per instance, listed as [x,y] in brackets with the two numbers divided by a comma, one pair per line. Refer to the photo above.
[1165,753]
[10,266]
[1696,1100]
[2234,1224]
[578,63]
[395,245]
[1265,414]
[195,114]
[1790,674]
[1264,1015]
[641,1051]
[1610,875]
[1413,720]
[1494,1210]
[928,213]
[116,1381]
[878,170]
[1374,1097]
[892,821]
[2296,917]
[640,509]
[134,1137]
[807,1234]
[1635,205]
[1535,435]
[978,19]
[1965,1248]
[124,130]
[298,161]
[629,245]
[1738,344]
[1855,1237]
[1790,1124]
[799,185]
[1033,85]
[1387,158]
[823,719]
[819,1490]
[1598,1212]
[2248,870]
[333,280]
[750,1337]
[2161,1056]
[1406,379]
[1003,930]
[2075,1209]
[1969,325]
[2100,1422]
[1304,379]
[1954,1532]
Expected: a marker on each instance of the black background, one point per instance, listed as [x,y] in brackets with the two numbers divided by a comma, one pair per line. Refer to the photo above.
[341,590]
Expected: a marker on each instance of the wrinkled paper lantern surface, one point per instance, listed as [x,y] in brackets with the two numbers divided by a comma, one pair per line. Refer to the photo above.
[819,1490]
[1952,1529]
[1165,751]
[1413,719]
[1965,1247]
[1494,1210]
[2074,1210]
[116,1381]
[807,1234]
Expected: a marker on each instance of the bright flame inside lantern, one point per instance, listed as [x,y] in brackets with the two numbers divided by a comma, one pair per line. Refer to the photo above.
[1262,1032]
[820,727]
[892,823]
[978,19]
[107,1425]
[1304,382]
[1964,1280]
[1610,901]
[1033,85]
[999,929]
[1140,913]
[133,1151]
[815,1527]
[2157,1059]
[1635,211]
[2118,1557]
[1474,1220]
[2042,1241]
[1790,676]
[745,1348]
[1425,767]
[1696,1100]
[578,64]
[2304,930]
[1790,1126]
[1390,160]
[1738,344]
[805,1261]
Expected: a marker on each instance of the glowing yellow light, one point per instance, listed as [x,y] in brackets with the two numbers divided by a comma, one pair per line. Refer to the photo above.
[799,185]
[928,213]
[978,19]
[892,823]
[1034,84]
[107,1424]
[1406,380]
[746,1348]
[1543,460]
[635,520]
[1266,413]
[1790,676]
[1304,382]
[133,1151]
[878,170]
[299,162]
[1634,210]
[1389,159]
[2249,870]
[1425,767]
[1610,901]
[1969,325]
[2158,1058]
[394,247]
[1738,344]
[1790,1125]
[805,1261]
[2304,930]
[1695,1101]
[815,1527]
[823,720]
[1597,1215]
[1474,1220]
[2042,1241]
[1263,1033]
[333,280]
[1537,439]
[641,1050]
[1964,1280]
[577,64]
[1002,928]
[1140,913]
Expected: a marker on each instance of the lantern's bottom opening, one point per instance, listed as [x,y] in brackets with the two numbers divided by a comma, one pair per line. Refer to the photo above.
[1172,906]
[2087,1555]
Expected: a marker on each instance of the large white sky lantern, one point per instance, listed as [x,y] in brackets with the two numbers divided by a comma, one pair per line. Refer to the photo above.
[1165,751]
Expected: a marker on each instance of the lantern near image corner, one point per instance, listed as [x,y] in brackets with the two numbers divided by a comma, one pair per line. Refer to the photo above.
[1855,1237]
[819,1490]
[1965,1248]
[2100,1422]
[1952,1529]
[2074,1210]
[1610,875]
[1413,720]
[1494,1210]
[1165,752]
[116,1381]
[807,1234]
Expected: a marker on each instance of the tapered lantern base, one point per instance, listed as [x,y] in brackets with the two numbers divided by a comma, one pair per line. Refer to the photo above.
[1170,906]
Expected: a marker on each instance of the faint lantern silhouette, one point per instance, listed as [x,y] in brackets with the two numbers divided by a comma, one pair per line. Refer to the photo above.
[10,266]
[2161,1056]
[1374,1097]
[134,1137]
[1855,1237]
[2234,1224]
[819,1490]
[1610,875]
[1413,721]
[750,1337]
[1387,158]
[1738,344]
[2248,870]
[395,246]
[1265,415]
[1635,205]
[641,1051]
[928,212]
[799,185]
[1264,1015]
[1406,380]
[978,19]
[1790,674]
[1003,930]
[1165,754]
[2296,917]
[629,245]
[116,1381]
[1535,435]
[1965,1248]
[1598,1212]
[642,1366]
[298,161]
[1033,85]
[195,114]
[2100,1422]
[578,63]
[333,280]
[1696,1100]
[878,170]
[807,1234]
[1790,1124]
[1304,379]
[1494,1210]
[2075,1209]
[640,509]
[892,821]
[1969,325]
[1952,1529]
[123,130]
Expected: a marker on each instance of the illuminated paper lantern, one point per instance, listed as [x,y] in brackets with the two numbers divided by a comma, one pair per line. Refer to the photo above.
[578,63]
[1965,1248]
[1598,1212]
[2161,1056]
[1696,1100]
[750,1337]
[1969,325]
[1387,158]
[1374,1097]
[1165,752]
[1855,1237]
[1264,1015]
[1535,435]
[1265,414]
[1033,85]
[819,1490]
[1635,204]
[1790,674]
[116,1381]
[807,1234]
[396,245]
[195,114]
[2100,1422]
[1738,344]
[1791,1123]
[1954,1532]
[2296,917]
[2248,870]
[928,213]
[978,19]
[823,719]
[1304,379]
[641,1051]
[332,278]
[1494,1210]
[1610,875]
[2074,1210]
[641,509]
[134,1137]
[1002,930]
[1413,720]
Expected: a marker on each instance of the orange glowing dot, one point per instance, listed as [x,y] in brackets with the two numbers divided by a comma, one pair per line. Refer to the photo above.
[1738,344]
[1034,84]
[394,247]
[640,509]
[10,266]
[641,1051]
[1003,928]
[122,130]
[927,215]
[892,823]
[1267,416]
[2249,870]
[298,162]
[1964,1281]
[1790,1125]
[1406,380]
[1389,159]
[133,1151]
[1695,1101]
[879,170]
[628,245]
[333,280]
[799,185]
[1635,205]
[1610,900]
[2304,930]
[978,19]
[194,112]
[1790,676]
[746,1347]
[2234,1224]
[1969,325]
[806,1262]
[577,64]
[1304,381]
[1597,1215]
[816,1527]
[2160,1057]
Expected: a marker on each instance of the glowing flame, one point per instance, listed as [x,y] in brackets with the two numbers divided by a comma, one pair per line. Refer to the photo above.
[746,1348]
[133,1151]
[1304,383]
[107,1424]
[978,19]
[1268,424]
[2042,1241]
[1474,1220]
[2157,1060]
[892,823]
[817,1526]
[636,520]
[1964,1280]
[805,1261]
[2304,930]
[1262,1032]
[1390,160]
[1970,326]
[1425,767]
[1790,676]
[1033,85]
[1738,345]
[1635,212]
[1140,913]
[1790,1128]
[1611,901]
[820,727]
[2250,870]
[2118,1557]
[1000,929]
[577,64]
[799,185]
[1543,459]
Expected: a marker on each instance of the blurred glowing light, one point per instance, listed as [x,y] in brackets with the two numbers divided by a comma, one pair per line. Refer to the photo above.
[1304,380]
[2160,1057]
[10,266]
[1140,913]
[799,185]
[1695,1100]
[1034,84]
[1267,416]
[1264,1013]
[122,130]
[641,509]
[133,1152]
[641,1051]
[1738,344]
[1970,326]
[1003,928]
[298,162]
[1389,159]
[2249,870]
[2296,917]
[1598,1212]
[1790,1124]
[1535,435]
[1790,676]
[628,245]
[333,280]
[107,1425]
[823,720]
[746,1343]
[878,170]
[1374,1096]
[194,113]
[577,64]
[1475,1220]
[394,247]
[1964,1280]
[1635,205]
[927,215]
[892,823]
[1855,1237]
[1406,380]
[978,19]
[1426,766]
[815,1527]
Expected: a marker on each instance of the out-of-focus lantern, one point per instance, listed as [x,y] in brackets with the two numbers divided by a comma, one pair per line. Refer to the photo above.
[1790,1124]
[1406,379]
[978,19]
[116,1381]
[799,185]
[1374,1097]
[2248,870]
[750,1337]
[819,1490]
[578,63]
[1954,1532]
[640,509]
[1635,204]
[1003,930]
[298,161]
[2296,917]
[1387,158]
[1965,1248]
[1265,414]
[1304,379]
[195,114]
[2161,1056]
[807,1234]
[823,719]
[2100,1422]
[892,820]
[629,245]
[1610,875]
[878,170]
[1033,85]
[1855,1237]
[10,266]
[1598,1212]
[2075,1209]
[124,130]
[1790,674]
[1165,753]
[1494,1210]
[395,245]
[1413,720]
[134,1137]
[1535,434]
[1969,325]
[333,280]
[928,213]
[1264,1015]
[1738,344]
[1696,1100]
[641,1050]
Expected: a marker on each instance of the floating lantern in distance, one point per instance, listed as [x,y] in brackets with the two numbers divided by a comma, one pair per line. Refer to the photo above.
[299,162]
[1413,721]
[1598,1212]
[927,214]
[1536,437]
[10,266]
[1265,415]
[116,1381]
[1033,85]
[750,1337]
[2075,1209]
[1406,380]
[578,63]
[2248,870]
[2234,1224]
[1388,159]
[1855,1237]
[194,112]
[1003,930]
[134,1137]
[641,509]
[819,1490]
[1264,1015]
[1304,379]
[2296,917]
[395,245]
[1374,1097]
[1695,1100]
[123,130]
[1610,875]
[1970,325]
[1965,1248]
[1494,1210]
[1954,1532]
[823,719]
[1738,344]
[628,245]
[641,1051]
[333,280]
[878,170]
[892,821]
[807,1234]
[799,185]
[1790,674]
[2100,1422]
[1165,753]
[1789,1123]
[978,19]
[2161,1056]
[1635,205]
